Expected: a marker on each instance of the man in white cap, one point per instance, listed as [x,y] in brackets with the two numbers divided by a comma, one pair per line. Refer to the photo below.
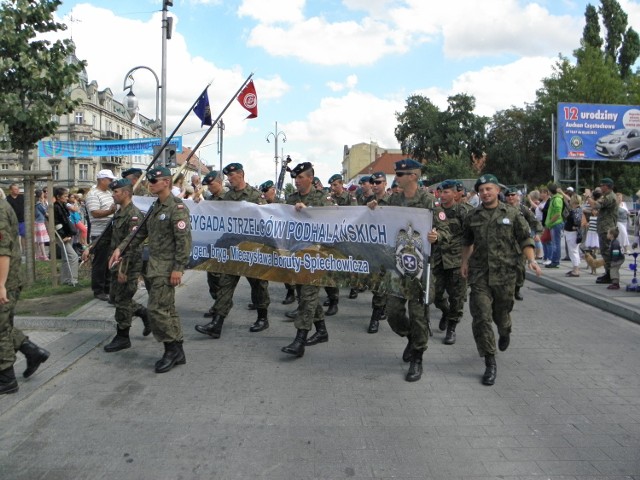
[101,207]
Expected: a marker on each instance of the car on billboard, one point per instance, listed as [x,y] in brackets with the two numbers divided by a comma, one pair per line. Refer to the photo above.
[619,143]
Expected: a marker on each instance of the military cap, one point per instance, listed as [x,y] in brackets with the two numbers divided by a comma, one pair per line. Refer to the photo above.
[232,167]
[407,164]
[378,176]
[316,180]
[210,177]
[132,171]
[158,172]
[394,184]
[606,181]
[123,182]
[487,178]
[301,167]
[266,186]
[335,177]
[512,190]
[447,185]
[364,179]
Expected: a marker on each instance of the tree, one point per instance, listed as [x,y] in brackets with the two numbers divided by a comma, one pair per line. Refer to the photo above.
[35,78]
[452,166]
[417,129]
[591,33]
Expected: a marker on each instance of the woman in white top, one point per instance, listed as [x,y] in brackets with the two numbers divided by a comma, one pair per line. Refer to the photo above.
[623,221]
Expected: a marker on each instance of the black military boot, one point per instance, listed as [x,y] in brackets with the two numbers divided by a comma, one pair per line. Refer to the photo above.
[442,326]
[606,278]
[292,314]
[35,357]
[8,382]
[209,313]
[450,336]
[353,293]
[173,355]
[297,346]
[320,336]
[375,320]
[333,307]
[415,368]
[119,342]
[326,303]
[408,351]
[489,377]
[517,295]
[144,316]
[213,329]
[503,342]
[290,298]
[251,306]
[262,323]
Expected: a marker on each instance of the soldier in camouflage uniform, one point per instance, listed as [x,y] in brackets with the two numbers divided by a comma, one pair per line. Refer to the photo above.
[415,326]
[447,255]
[134,175]
[607,206]
[11,338]
[366,191]
[495,237]
[124,282]
[168,228]
[213,182]
[513,198]
[378,181]
[309,309]
[461,196]
[240,191]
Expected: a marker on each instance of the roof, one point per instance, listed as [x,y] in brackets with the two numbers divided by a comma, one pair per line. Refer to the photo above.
[384,163]
[194,162]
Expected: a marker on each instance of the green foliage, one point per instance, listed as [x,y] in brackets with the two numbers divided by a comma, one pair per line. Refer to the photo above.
[451,166]
[417,129]
[591,33]
[35,74]
[629,52]
[615,23]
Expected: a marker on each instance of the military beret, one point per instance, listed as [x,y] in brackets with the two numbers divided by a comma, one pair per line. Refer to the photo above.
[378,176]
[316,180]
[301,167]
[335,177]
[158,172]
[512,190]
[447,185]
[365,179]
[459,186]
[606,181]
[487,178]
[394,184]
[232,167]
[406,165]
[210,177]
[123,182]
[132,171]
[266,186]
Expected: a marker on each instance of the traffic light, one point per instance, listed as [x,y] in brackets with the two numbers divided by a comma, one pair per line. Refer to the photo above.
[168,3]
[170,156]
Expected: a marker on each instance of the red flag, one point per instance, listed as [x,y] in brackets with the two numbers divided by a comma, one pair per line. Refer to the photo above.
[249,100]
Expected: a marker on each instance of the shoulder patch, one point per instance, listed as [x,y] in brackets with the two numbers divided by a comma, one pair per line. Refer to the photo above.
[442,216]
[181,225]
[180,206]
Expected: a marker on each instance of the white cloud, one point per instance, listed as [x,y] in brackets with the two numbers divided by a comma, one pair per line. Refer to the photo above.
[274,11]
[350,83]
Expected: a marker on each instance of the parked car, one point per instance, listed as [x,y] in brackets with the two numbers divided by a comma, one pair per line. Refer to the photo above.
[619,143]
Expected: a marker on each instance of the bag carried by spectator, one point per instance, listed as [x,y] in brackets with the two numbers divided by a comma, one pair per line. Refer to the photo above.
[546,236]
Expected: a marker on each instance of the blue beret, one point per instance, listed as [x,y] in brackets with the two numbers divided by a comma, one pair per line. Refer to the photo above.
[335,177]
[123,182]
[210,177]
[158,172]
[394,184]
[232,167]
[459,186]
[378,176]
[132,171]
[407,164]
[447,185]
[266,186]
[365,179]
[487,178]
[301,167]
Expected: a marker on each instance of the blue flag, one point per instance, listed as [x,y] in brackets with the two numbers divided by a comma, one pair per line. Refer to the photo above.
[202,109]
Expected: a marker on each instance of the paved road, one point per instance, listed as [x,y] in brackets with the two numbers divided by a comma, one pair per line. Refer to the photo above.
[566,404]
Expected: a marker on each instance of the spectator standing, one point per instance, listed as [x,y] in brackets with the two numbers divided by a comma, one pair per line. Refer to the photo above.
[16,200]
[541,215]
[554,223]
[573,234]
[607,218]
[592,243]
[65,233]
[101,208]
[40,233]
[617,258]
[623,221]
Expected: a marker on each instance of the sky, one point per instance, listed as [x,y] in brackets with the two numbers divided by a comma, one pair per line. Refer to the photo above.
[330,73]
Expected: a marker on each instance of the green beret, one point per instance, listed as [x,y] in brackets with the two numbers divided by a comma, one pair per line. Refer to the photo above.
[123,182]
[487,178]
[301,167]
[394,184]
[316,180]
[606,181]
[335,177]
[210,177]
[132,171]
[447,185]
[232,167]
[512,190]
[158,172]
[406,165]
[264,188]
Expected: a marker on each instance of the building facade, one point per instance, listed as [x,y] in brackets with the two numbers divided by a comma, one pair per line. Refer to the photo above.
[358,157]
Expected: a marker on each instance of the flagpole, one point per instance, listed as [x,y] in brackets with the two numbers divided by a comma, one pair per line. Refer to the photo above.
[169,138]
[213,124]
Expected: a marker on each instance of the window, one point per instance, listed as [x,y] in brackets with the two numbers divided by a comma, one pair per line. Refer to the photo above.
[79,118]
[83,172]
[55,172]
[93,121]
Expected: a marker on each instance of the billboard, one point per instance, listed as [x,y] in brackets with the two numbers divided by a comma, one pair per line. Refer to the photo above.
[598,132]
[102,148]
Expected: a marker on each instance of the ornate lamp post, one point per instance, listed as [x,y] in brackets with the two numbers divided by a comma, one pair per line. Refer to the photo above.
[275,134]
[131,103]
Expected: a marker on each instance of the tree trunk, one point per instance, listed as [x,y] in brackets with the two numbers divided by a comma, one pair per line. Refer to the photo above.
[29,221]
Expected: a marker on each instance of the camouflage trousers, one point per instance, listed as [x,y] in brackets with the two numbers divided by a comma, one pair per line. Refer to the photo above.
[227,285]
[605,245]
[490,303]
[413,325]
[213,280]
[11,338]
[309,308]
[333,293]
[520,273]
[166,325]
[451,282]
[123,295]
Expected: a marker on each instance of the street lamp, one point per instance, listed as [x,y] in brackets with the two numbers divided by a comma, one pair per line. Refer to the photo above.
[131,102]
[275,134]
